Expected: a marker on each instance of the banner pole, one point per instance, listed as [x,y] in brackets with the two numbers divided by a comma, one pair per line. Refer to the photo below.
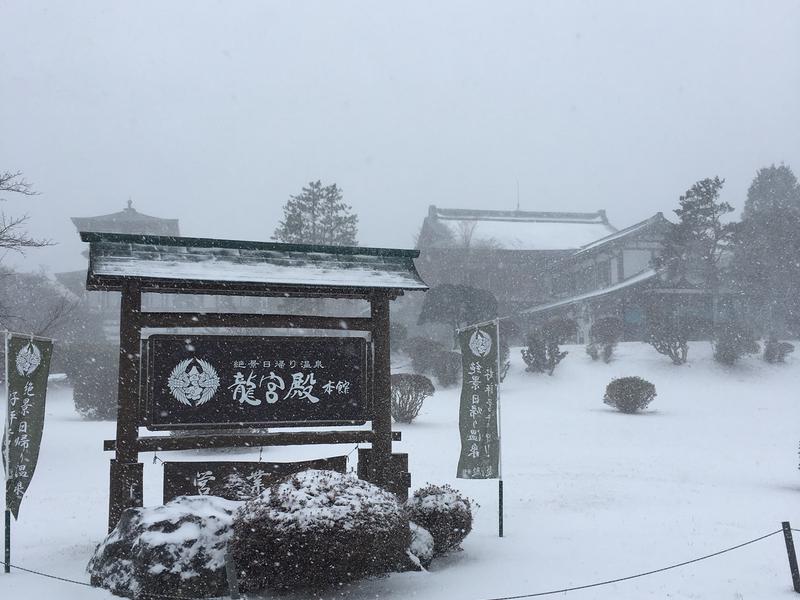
[7,462]
[499,438]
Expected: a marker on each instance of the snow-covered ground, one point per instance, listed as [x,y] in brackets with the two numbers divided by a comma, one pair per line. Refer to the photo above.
[591,493]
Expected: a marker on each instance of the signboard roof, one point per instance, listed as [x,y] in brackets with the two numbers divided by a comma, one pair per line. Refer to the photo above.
[170,264]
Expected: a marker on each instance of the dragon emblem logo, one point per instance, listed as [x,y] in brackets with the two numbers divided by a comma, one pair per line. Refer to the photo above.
[480,343]
[28,359]
[193,382]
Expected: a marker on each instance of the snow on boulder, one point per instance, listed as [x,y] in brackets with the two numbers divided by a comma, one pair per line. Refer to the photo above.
[317,529]
[421,545]
[175,549]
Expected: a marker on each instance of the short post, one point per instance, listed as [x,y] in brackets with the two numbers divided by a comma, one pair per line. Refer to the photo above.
[233,579]
[500,506]
[787,537]
[7,567]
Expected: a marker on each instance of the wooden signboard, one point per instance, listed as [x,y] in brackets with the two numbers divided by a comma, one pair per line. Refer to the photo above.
[228,383]
[235,480]
[209,381]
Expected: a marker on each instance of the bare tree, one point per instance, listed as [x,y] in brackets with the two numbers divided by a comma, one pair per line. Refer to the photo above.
[12,233]
[32,303]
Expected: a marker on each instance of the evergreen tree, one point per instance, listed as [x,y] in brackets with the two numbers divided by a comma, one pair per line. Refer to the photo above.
[694,247]
[767,251]
[318,215]
[457,306]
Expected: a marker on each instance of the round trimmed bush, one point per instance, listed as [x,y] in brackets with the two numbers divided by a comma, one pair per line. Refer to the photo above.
[444,512]
[629,394]
[447,368]
[409,391]
[93,369]
[318,529]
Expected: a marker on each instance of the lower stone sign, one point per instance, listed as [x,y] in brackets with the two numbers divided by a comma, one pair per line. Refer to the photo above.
[228,381]
[235,480]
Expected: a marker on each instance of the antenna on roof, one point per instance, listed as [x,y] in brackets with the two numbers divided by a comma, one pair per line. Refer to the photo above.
[517,195]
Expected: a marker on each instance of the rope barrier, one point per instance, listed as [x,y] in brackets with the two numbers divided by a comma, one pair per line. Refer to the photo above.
[517,597]
[47,575]
[619,579]
[87,584]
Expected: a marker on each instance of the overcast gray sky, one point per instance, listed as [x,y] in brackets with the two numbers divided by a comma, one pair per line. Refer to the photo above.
[215,112]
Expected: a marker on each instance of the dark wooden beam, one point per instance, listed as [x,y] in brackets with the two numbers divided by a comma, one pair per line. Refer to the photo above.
[184,319]
[381,391]
[150,285]
[125,486]
[232,440]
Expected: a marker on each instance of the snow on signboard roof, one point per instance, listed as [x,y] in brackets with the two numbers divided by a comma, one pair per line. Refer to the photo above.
[177,261]
[525,230]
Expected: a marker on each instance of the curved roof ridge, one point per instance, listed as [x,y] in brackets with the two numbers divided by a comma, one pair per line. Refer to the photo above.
[658,217]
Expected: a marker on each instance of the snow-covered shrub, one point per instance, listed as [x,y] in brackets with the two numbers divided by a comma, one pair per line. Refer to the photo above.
[422,545]
[422,352]
[409,391]
[542,353]
[604,336]
[93,370]
[444,512]
[732,341]
[447,368]
[505,363]
[176,549]
[397,335]
[317,529]
[669,335]
[775,351]
[629,394]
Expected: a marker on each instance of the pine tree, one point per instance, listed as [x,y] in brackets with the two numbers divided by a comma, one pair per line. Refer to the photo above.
[694,247]
[767,250]
[318,215]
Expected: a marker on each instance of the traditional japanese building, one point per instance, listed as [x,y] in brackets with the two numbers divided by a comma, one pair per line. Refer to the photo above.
[542,265]
[608,277]
[128,220]
[509,253]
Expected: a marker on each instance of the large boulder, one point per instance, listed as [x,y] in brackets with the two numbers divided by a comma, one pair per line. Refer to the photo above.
[175,549]
[318,529]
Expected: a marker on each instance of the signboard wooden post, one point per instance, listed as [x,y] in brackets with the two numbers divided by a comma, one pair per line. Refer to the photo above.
[228,382]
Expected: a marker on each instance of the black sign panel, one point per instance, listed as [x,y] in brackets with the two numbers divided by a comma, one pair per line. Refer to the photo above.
[235,480]
[246,381]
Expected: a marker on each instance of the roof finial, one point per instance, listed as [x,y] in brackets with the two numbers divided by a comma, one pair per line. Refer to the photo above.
[130,203]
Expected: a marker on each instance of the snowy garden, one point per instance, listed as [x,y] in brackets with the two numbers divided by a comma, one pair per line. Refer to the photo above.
[421,300]
[591,493]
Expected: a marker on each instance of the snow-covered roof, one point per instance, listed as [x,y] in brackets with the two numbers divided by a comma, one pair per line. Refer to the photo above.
[167,263]
[623,233]
[645,275]
[128,220]
[520,230]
